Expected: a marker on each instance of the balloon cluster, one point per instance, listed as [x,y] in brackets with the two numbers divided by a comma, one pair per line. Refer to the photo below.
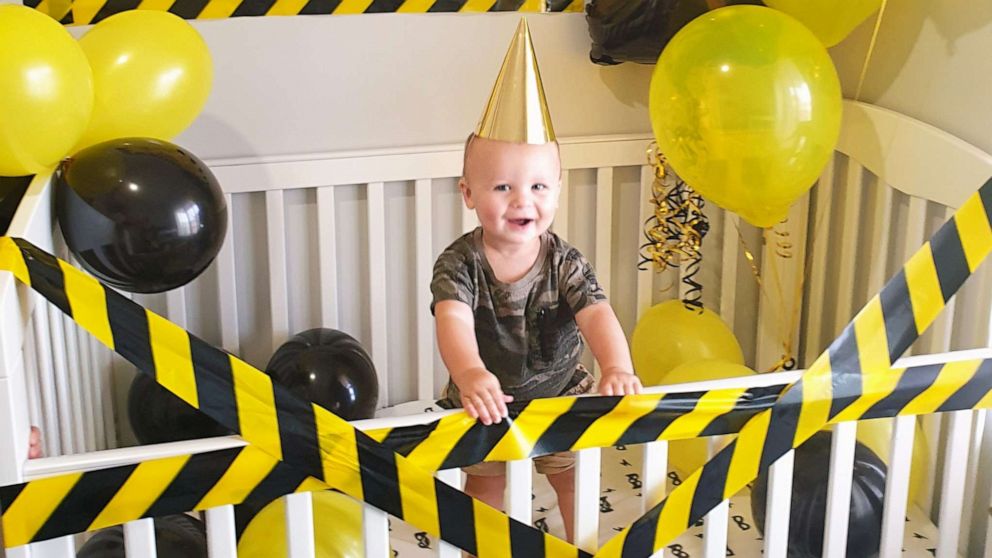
[142,73]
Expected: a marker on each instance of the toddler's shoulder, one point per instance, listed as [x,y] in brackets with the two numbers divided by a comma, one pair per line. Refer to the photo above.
[562,252]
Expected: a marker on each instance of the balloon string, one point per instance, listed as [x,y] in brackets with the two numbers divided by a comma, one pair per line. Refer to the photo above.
[675,230]
[871,50]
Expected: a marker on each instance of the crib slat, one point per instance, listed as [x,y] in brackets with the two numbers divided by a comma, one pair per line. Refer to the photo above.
[778,506]
[139,538]
[453,478]
[952,485]
[222,539]
[940,330]
[915,234]
[978,494]
[375,524]
[425,322]
[645,279]
[519,487]
[90,403]
[897,486]
[588,463]
[46,379]
[227,289]
[728,273]
[715,525]
[562,215]
[654,474]
[275,225]
[377,287]
[327,247]
[839,489]
[62,547]
[604,227]
[31,373]
[175,302]
[63,395]
[880,234]
[299,526]
[818,263]
[106,380]
[74,372]
[848,246]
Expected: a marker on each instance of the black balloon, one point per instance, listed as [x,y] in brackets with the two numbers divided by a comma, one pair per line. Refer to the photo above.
[330,368]
[176,536]
[638,30]
[809,500]
[158,416]
[142,215]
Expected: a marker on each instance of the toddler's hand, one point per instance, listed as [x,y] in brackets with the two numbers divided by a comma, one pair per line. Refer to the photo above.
[482,396]
[619,382]
[34,443]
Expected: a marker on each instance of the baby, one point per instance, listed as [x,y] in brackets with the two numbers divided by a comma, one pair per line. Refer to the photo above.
[510,299]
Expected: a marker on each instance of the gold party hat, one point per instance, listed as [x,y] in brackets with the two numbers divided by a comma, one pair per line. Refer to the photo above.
[517,110]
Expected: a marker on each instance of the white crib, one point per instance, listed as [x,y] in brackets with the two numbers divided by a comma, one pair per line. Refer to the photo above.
[347,240]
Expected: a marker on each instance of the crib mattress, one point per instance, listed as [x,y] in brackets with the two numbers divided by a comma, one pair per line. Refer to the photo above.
[620,504]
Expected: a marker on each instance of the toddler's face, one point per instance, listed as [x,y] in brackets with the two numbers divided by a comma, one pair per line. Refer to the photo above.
[513,188]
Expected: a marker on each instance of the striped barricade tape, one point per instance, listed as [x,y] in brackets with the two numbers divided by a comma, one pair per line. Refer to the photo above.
[71,503]
[85,12]
[244,399]
[833,388]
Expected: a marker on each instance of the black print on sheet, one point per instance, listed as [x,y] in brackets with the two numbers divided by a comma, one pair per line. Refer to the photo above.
[635,480]
[541,524]
[677,551]
[739,520]
[675,478]
[604,505]
[423,541]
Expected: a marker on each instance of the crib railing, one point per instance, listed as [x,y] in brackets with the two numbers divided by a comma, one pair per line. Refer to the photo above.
[351,200]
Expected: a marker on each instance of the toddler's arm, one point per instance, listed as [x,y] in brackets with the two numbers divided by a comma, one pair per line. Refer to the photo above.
[601,329]
[482,396]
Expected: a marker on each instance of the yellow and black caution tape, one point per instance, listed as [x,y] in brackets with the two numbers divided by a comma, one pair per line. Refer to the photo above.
[79,502]
[85,12]
[851,380]
[834,388]
[278,424]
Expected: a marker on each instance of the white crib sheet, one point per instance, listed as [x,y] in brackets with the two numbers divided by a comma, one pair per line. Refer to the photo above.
[620,504]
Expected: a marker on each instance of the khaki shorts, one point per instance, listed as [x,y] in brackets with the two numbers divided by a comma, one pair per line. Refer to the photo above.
[550,464]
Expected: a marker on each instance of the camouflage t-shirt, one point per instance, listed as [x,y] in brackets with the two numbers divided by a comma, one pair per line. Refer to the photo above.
[526,330]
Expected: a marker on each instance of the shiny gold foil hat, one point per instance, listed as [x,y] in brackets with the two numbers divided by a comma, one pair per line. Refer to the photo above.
[517,110]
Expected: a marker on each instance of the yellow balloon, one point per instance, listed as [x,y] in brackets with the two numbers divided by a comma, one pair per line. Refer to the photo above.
[668,335]
[830,20]
[685,456]
[46,91]
[337,529]
[745,103]
[877,435]
[152,75]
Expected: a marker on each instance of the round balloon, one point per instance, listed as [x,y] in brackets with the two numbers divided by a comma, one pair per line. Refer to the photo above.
[152,75]
[685,456]
[142,215]
[669,334]
[809,500]
[830,20]
[176,536]
[745,103]
[158,416]
[337,529]
[330,368]
[46,91]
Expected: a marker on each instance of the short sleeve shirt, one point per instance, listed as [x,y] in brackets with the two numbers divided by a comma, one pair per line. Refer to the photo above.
[526,330]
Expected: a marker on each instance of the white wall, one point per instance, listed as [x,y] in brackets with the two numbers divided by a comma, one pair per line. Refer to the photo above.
[931,61]
[322,83]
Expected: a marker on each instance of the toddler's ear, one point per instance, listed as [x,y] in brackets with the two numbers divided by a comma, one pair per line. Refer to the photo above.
[466,193]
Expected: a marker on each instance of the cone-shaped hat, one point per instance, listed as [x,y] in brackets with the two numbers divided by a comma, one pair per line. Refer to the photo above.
[517,110]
